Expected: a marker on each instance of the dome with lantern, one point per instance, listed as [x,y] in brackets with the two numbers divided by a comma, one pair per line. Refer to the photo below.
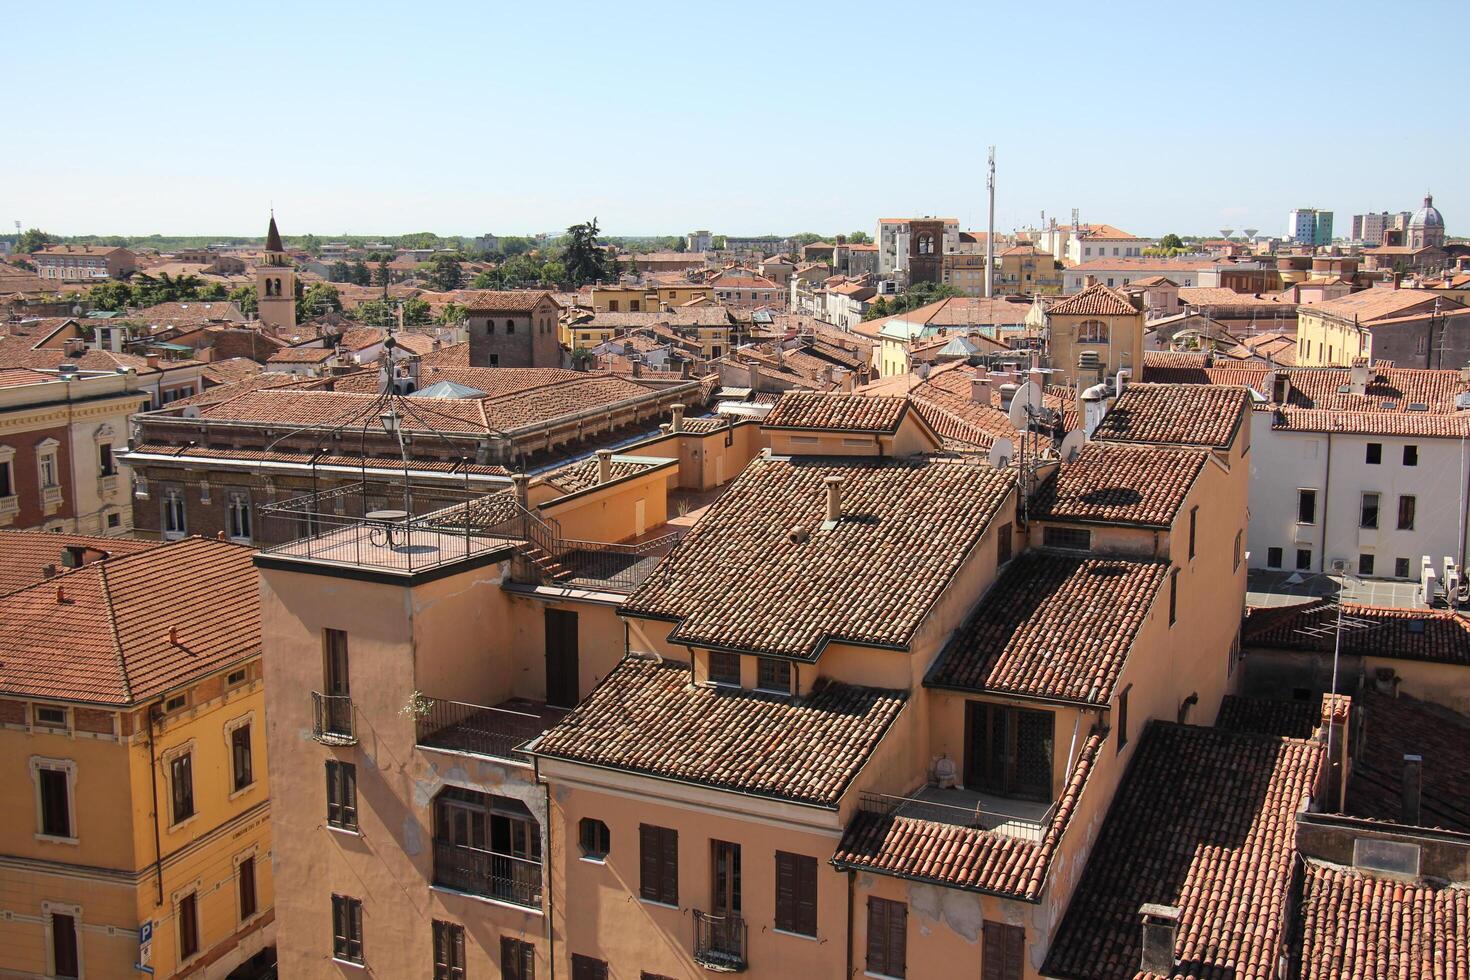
[1426,226]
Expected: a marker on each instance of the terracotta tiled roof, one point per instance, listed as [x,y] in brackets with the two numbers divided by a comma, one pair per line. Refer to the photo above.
[1053,625]
[582,475]
[1434,635]
[23,554]
[1263,716]
[106,637]
[1393,727]
[1178,360]
[1204,821]
[646,717]
[1095,300]
[745,578]
[1189,415]
[504,301]
[1115,483]
[230,369]
[1373,423]
[302,355]
[1224,296]
[11,377]
[1355,926]
[963,857]
[1371,304]
[849,413]
[944,402]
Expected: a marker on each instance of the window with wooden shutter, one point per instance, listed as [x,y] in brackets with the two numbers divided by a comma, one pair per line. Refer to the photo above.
[658,864]
[342,795]
[245,874]
[588,968]
[347,929]
[887,937]
[796,893]
[448,950]
[517,959]
[1002,951]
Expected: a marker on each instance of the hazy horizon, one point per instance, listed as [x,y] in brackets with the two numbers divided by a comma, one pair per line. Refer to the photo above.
[372,116]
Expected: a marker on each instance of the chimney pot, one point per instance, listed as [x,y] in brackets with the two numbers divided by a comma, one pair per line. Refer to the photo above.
[60,593]
[980,390]
[173,635]
[604,465]
[522,484]
[678,416]
[1160,932]
[834,498]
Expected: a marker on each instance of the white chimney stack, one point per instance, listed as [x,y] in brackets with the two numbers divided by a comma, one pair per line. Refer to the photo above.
[834,498]
[604,465]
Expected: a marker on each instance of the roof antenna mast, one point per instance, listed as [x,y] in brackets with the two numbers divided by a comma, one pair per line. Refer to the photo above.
[990,229]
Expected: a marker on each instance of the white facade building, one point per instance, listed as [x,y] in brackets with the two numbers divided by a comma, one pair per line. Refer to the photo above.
[893,242]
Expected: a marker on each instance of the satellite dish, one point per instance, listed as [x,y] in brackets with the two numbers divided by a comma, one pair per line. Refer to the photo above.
[1028,396]
[1071,445]
[1001,453]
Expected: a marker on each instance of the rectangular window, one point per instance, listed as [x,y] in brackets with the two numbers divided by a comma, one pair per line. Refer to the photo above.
[1303,559]
[1411,455]
[1401,568]
[48,470]
[181,782]
[240,760]
[449,951]
[238,517]
[1002,952]
[1375,453]
[887,937]
[658,864]
[588,968]
[1193,527]
[55,802]
[188,926]
[106,466]
[245,875]
[1003,544]
[1406,513]
[796,893]
[43,716]
[1273,557]
[1236,552]
[7,486]
[175,522]
[517,959]
[1123,717]
[341,795]
[1306,507]
[773,675]
[1068,538]
[346,929]
[64,959]
[1008,750]
[1365,564]
[1173,596]
[724,668]
[1369,514]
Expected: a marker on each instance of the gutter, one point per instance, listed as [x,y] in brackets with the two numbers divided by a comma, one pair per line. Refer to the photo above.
[153,780]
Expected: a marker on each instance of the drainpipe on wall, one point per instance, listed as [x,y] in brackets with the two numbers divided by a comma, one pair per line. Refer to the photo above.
[851,883]
[153,779]
[550,905]
[1326,497]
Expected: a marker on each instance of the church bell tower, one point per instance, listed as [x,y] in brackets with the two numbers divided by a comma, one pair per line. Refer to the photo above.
[275,283]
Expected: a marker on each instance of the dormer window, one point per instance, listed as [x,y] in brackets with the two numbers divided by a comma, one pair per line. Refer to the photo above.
[724,669]
[773,675]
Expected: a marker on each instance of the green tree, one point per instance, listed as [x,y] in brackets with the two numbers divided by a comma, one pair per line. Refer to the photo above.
[553,272]
[33,240]
[877,308]
[489,279]
[375,313]
[359,275]
[382,275]
[244,297]
[311,244]
[718,243]
[445,274]
[859,238]
[416,312]
[319,299]
[680,244]
[338,271]
[150,291]
[806,238]
[584,260]
[452,313]
[211,291]
[583,359]
[110,296]
[1171,240]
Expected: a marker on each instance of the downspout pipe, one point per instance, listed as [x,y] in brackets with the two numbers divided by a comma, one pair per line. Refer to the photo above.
[153,779]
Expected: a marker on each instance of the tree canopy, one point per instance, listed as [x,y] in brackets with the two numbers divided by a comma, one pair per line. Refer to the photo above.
[582,258]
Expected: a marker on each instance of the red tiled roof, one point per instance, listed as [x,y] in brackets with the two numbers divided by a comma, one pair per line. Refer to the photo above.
[1053,625]
[1393,727]
[1356,926]
[1433,635]
[505,301]
[106,637]
[1095,300]
[23,554]
[1190,415]
[966,858]
[1204,821]
[848,413]
[742,579]
[1117,483]
[646,717]
[1263,716]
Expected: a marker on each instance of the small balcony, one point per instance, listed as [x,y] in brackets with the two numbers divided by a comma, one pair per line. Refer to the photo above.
[51,499]
[1022,819]
[497,733]
[719,942]
[488,874]
[331,719]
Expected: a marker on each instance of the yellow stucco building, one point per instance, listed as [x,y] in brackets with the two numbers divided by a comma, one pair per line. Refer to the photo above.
[137,838]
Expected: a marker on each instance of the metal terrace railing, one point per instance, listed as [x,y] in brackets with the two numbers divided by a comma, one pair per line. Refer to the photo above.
[719,941]
[331,719]
[613,567]
[975,816]
[488,873]
[457,726]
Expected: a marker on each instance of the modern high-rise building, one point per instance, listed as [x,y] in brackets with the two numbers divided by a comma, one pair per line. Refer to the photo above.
[1309,226]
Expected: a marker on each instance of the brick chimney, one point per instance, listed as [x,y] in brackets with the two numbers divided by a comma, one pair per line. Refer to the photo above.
[1160,931]
[522,484]
[980,390]
[1089,280]
[1336,714]
[834,498]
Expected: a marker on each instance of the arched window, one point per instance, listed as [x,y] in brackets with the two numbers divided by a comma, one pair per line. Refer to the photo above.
[510,326]
[926,244]
[1092,332]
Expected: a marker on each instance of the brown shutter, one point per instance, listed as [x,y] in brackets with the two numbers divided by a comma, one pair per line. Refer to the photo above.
[991,954]
[898,922]
[1015,950]
[670,879]
[806,896]
[877,934]
[786,885]
[648,850]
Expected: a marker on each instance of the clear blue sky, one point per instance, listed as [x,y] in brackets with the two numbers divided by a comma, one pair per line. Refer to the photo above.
[659,118]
